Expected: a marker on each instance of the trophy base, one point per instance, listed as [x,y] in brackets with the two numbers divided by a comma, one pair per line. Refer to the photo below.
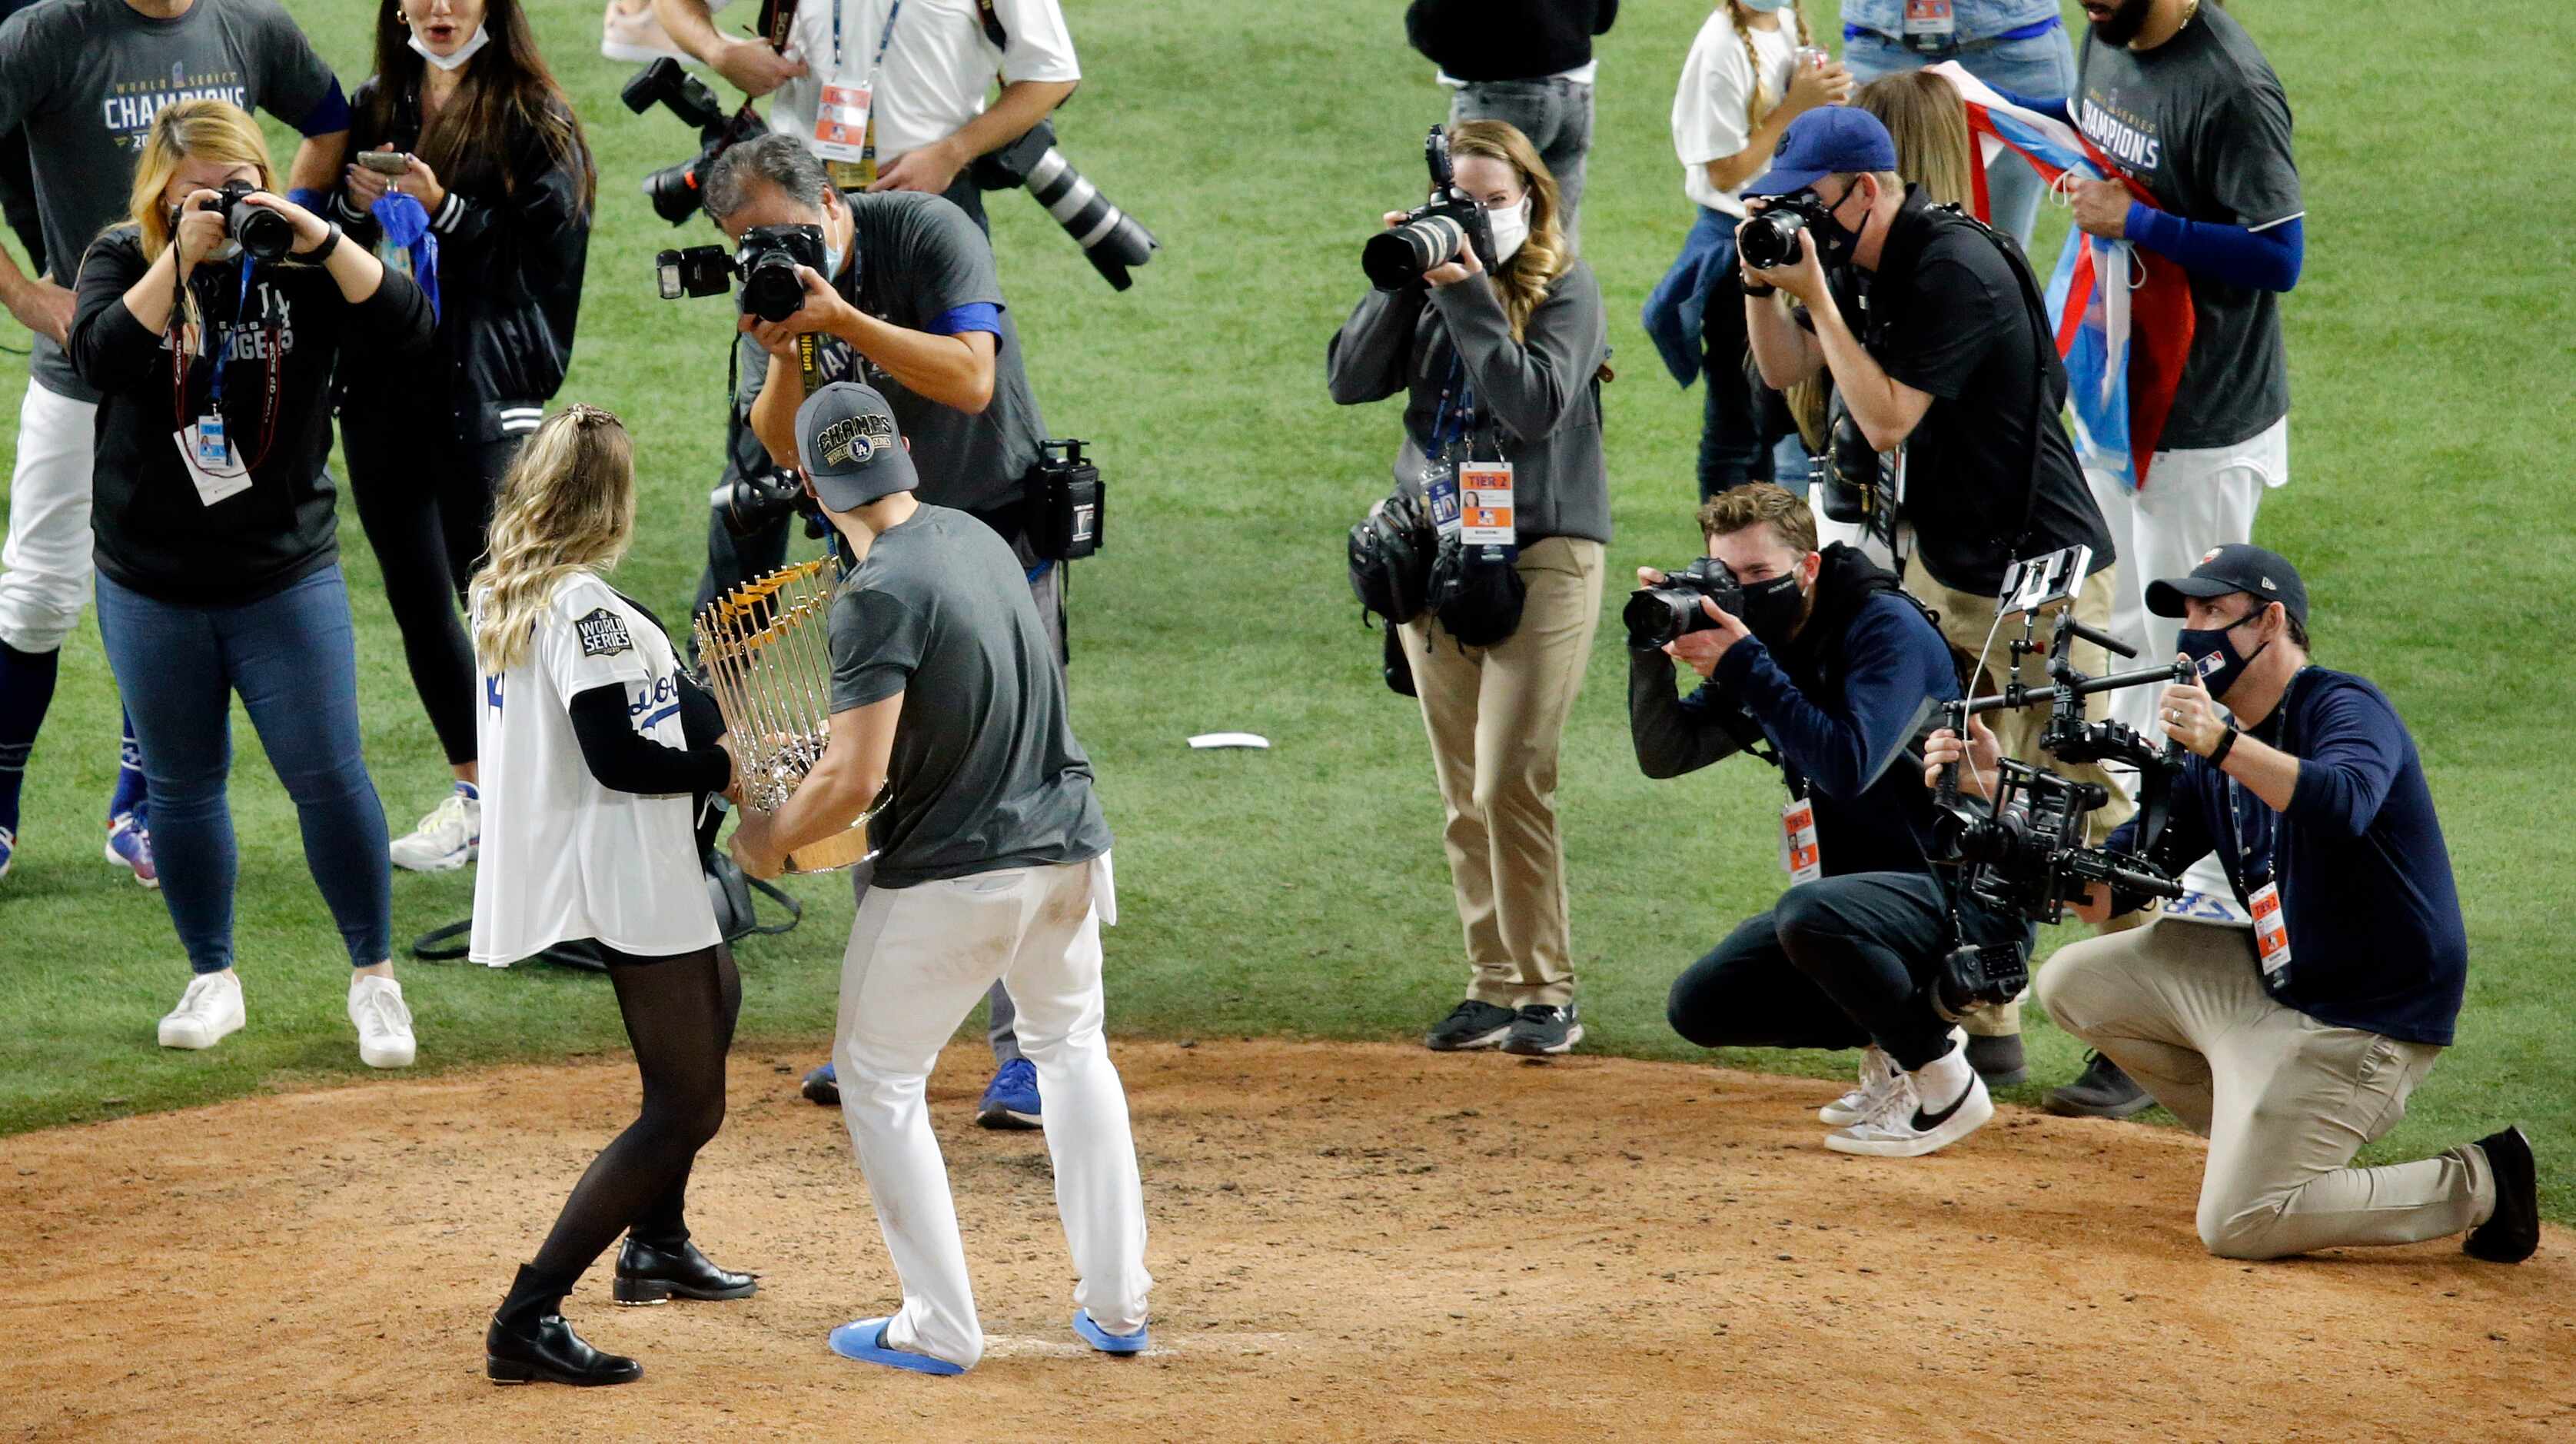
[833,854]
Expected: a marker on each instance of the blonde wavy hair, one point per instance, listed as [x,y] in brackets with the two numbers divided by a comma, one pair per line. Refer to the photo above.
[1763,96]
[1523,280]
[567,505]
[1925,118]
[215,130]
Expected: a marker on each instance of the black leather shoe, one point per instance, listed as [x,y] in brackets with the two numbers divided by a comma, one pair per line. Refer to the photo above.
[656,1274]
[2512,1232]
[547,1351]
[2101,1091]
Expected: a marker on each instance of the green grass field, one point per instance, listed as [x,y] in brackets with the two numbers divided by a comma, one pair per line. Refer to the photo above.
[1301,891]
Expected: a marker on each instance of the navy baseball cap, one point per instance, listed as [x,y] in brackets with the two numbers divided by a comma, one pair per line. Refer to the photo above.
[1829,140]
[2235,567]
[848,443]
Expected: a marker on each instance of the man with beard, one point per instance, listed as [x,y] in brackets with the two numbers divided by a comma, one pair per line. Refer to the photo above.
[2177,95]
[1832,667]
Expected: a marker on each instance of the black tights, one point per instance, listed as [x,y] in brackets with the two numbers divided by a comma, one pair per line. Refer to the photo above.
[680,1013]
[426,501]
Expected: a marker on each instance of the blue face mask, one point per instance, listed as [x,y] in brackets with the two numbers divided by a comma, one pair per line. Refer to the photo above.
[2215,658]
[1767,6]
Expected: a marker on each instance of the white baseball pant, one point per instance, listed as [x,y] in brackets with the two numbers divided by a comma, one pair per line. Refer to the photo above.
[2193,501]
[45,568]
[918,959]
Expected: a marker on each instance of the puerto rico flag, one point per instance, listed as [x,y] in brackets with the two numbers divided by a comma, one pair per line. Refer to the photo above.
[2123,315]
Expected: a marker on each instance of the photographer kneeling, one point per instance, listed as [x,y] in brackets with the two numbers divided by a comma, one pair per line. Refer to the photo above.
[1831,666]
[1953,360]
[907,300]
[2292,1046]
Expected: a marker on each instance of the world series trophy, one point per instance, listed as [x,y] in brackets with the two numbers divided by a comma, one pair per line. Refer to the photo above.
[766,649]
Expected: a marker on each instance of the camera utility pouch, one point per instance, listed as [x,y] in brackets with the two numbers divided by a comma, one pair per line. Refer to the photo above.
[1476,592]
[1066,504]
[1390,559]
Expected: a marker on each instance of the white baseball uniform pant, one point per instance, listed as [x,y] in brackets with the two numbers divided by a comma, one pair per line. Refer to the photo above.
[45,568]
[918,959]
[2193,500]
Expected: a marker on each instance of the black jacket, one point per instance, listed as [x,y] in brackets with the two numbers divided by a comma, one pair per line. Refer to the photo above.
[156,535]
[513,238]
[1507,39]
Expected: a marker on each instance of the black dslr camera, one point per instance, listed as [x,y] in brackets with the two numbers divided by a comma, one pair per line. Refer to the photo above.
[265,234]
[766,261]
[1433,233]
[675,190]
[1658,614]
[1770,238]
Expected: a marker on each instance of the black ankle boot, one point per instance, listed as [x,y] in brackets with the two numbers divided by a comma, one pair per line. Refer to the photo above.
[529,1342]
[656,1273]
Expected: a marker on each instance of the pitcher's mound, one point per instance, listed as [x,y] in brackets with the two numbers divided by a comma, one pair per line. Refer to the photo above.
[1351,1242]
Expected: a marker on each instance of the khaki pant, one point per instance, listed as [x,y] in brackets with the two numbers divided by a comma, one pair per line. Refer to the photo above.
[2284,1100]
[1966,620]
[1494,715]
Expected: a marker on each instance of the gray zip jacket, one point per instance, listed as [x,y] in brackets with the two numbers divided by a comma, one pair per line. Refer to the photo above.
[1535,402]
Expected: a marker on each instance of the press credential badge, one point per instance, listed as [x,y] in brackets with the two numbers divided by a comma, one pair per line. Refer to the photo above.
[2271,934]
[1485,501]
[1800,857]
[212,467]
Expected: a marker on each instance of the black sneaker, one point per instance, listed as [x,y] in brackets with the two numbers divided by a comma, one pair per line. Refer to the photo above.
[1539,1030]
[1469,1026]
[2000,1061]
[2512,1232]
[2101,1091]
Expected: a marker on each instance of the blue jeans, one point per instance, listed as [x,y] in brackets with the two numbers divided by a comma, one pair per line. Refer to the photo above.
[1731,444]
[1556,115]
[293,658]
[2040,68]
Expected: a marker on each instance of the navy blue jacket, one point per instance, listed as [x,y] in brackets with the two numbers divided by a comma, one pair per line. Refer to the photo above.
[2376,939]
[1839,712]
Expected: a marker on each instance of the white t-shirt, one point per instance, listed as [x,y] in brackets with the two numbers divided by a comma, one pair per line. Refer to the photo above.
[1717,81]
[564,857]
[938,63]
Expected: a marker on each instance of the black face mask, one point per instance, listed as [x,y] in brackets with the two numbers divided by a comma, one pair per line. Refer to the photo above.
[2215,658]
[1772,608]
[1834,241]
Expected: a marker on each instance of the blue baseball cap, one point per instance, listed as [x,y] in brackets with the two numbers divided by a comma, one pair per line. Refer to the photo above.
[1829,140]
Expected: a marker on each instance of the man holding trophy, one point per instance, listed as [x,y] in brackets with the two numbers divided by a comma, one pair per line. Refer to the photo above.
[992,862]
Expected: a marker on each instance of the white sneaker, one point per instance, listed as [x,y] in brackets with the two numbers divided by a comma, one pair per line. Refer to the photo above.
[448,838]
[1878,1074]
[1901,1129]
[384,1024]
[209,1012]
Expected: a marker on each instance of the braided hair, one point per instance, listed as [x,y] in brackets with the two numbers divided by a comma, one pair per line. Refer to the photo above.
[1759,100]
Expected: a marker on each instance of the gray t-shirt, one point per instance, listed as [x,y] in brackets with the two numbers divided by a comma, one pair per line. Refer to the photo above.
[87,77]
[2201,122]
[918,261]
[986,772]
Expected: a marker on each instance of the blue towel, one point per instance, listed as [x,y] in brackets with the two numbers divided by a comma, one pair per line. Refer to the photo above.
[406,226]
[1678,306]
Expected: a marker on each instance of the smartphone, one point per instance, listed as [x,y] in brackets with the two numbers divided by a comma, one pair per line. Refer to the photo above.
[385,162]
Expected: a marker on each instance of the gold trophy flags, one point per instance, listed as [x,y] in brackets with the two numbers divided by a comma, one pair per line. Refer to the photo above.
[766,647]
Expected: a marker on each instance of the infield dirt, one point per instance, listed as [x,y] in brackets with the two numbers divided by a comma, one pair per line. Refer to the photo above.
[1351,1242]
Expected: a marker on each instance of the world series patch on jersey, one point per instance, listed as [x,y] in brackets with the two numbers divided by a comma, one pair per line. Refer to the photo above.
[603,633]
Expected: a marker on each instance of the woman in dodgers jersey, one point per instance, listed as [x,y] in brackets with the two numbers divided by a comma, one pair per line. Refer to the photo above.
[590,794]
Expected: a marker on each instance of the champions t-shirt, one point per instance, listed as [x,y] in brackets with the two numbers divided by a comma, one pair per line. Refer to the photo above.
[986,773]
[2201,122]
[87,77]
[564,857]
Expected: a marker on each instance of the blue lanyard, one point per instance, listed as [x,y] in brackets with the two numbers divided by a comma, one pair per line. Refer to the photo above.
[885,38]
[223,343]
[1448,426]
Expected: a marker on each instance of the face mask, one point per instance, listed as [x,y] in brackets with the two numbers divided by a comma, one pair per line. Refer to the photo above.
[464,52]
[2214,657]
[1833,240]
[1765,7]
[1771,608]
[1511,228]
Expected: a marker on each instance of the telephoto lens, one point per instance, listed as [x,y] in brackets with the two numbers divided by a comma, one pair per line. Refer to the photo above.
[1771,238]
[1400,255]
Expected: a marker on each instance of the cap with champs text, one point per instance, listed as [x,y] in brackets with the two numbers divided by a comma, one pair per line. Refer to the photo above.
[1829,140]
[2235,567]
[847,441]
